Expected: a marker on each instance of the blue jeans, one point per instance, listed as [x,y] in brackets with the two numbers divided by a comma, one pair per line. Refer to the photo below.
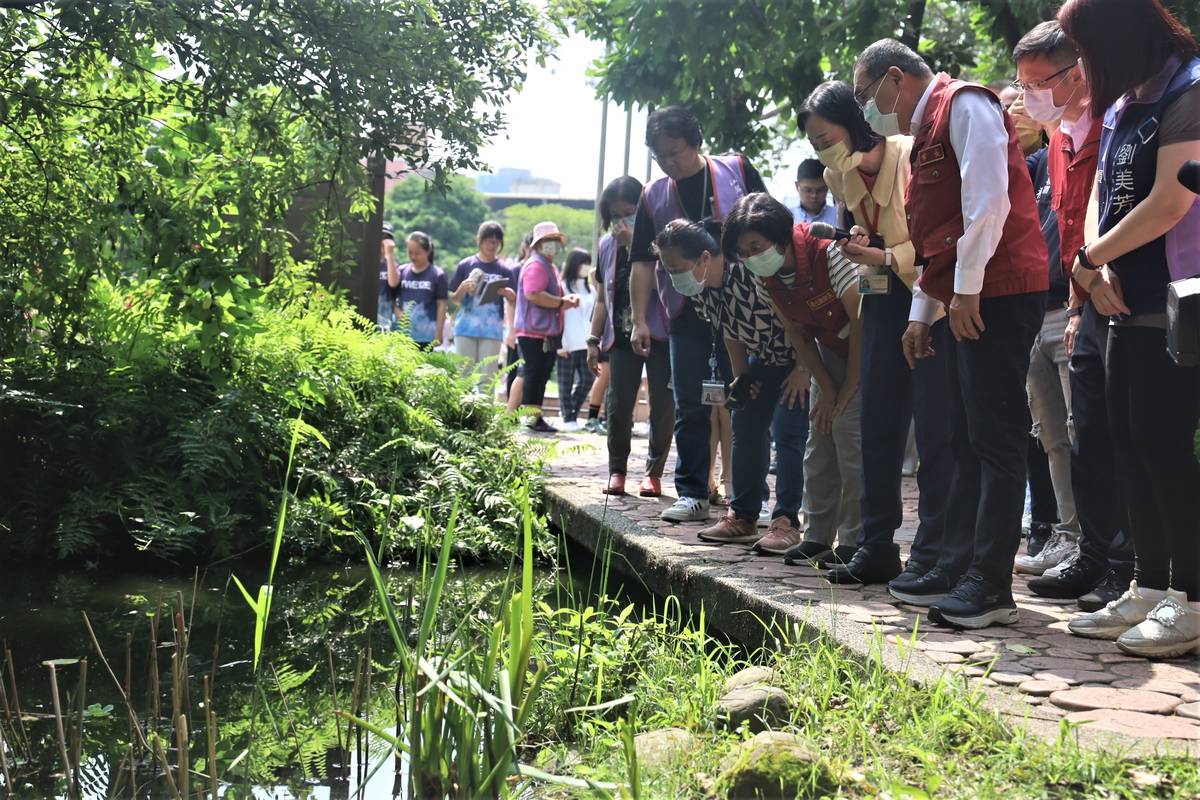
[892,396]
[753,425]
[691,340]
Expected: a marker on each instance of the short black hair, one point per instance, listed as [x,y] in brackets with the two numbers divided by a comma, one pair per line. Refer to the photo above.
[673,121]
[833,101]
[887,53]
[1047,40]
[625,188]
[689,238]
[490,230]
[810,169]
[756,213]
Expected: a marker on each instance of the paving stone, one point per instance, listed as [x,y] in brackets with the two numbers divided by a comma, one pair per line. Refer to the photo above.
[948,643]
[868,609]
[1008,678]
[1041,688]
[1134,723]
[1180,672]
[941,657]
[1075,676]
[1190,710]
[1085,699]
[1051,662]
[1187,694]
[1118,658]
[808,583]
[1059,641]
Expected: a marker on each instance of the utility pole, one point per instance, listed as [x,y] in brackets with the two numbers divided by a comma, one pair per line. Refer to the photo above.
[600,178]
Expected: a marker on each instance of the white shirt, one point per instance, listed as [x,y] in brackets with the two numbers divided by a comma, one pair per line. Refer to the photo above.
[980,142]
[577,322]
[1078,130]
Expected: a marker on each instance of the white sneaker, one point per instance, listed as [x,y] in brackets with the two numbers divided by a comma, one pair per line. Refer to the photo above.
[764,517]
[1063,565]
[569,427]
[1115,618]
[686,509]
[1170,629]
[1056,551]
[641,429]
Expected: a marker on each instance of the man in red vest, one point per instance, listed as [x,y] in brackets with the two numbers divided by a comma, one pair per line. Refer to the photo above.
[974,222]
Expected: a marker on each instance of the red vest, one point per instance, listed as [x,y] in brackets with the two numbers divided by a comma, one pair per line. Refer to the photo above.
[1071,176]
[810,302]
[934,204]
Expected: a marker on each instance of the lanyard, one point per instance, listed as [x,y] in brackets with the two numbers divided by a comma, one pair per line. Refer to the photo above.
[873,223]
[712,358]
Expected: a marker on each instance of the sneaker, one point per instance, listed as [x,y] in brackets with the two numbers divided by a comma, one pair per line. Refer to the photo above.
[1069,579]
[1066,563]
[838,557]
[930,588]
[912,570]
[866,567]
[569,426]
[686,509]
[808,553]
[781,537]
[1115,618]
[731,530]
[1056,551]
[1039,534]
[975,602]
[591,425]
[764,516]
[640,429]
[541,426]
[1170,629]
[1110,587]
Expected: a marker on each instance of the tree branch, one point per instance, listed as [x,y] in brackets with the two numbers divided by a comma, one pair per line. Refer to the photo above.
[20,5]
[913,21]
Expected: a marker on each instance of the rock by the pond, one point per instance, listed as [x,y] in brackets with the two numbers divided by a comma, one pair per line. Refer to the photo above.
[660,748]
[774,766]
[750,676]
[761,706]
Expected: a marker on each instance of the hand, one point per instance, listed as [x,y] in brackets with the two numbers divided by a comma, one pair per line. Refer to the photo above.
[824,411]
[915,343]
[844,396]
[1069,333]
[965,322]
[508,294]
[755,385]
[639,339]
[564,353]
[1107,295]
[510,339]
[794,387]
[570,301]
[593,359]
[857,248]
[468,286]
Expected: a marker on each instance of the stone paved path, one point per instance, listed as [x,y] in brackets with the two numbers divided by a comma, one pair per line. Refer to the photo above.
[1035,665]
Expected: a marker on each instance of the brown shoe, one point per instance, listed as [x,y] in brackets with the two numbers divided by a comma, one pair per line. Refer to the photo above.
[780,538]
[731,530]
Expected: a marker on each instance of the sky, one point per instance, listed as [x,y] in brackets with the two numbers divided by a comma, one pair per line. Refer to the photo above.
[564,146]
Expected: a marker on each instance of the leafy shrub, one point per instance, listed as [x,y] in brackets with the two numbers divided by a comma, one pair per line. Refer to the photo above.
[140,443]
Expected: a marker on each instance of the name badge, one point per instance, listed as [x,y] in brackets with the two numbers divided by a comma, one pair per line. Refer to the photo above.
[874,280]
[712,393]
[930,155]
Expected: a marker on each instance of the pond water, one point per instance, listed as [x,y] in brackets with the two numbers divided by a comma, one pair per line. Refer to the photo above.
[324,637]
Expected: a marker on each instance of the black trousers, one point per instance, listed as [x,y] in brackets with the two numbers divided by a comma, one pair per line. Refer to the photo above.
[1099,500]
[1153,407]
[1043,505]
[990,416]
[538,366]
[892,396]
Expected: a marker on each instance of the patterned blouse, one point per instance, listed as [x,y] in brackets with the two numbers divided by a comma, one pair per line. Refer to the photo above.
[740,313]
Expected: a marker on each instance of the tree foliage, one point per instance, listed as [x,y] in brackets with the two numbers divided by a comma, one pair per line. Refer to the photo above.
[451,217]
[575,223]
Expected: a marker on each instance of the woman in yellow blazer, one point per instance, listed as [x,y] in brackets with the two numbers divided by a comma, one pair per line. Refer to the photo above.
[868,176]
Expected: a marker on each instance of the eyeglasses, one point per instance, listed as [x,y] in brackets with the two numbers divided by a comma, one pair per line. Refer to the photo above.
[860,95]
[1021,87]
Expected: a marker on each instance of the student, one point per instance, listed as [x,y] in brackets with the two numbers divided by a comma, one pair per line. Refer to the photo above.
[695,187]
[514,384]
[574,378]
[479,328]
[612,323]
[389,278]
[974,222]
[814,203]
[539,321]
[869,174]
[726,293]
[1142,67]
[813,288]
[421,296]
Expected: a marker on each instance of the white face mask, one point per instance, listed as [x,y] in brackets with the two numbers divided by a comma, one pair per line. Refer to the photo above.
[686,282]
[838,158]
[549,249]
[766,263]
[1039,105]
[883,124]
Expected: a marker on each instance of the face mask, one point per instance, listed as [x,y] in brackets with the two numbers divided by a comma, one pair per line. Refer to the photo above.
[883,124]
[549,249]
[766,263]
[686,284]
[627,222]
[838,159]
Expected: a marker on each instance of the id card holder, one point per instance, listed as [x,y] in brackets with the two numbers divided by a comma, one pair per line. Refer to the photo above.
[874,280]
[712,393]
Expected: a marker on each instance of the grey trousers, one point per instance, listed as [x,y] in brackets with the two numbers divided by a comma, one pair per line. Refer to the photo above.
[625,378]
[1049,389]
[833,467]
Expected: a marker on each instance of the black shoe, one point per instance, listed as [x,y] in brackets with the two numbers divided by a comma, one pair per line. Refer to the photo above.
[838,557]
[1039,534]
[976,603]
[1073,581]
[1110,587]
[807,553]
[866,567]
[930,588]
[541,426]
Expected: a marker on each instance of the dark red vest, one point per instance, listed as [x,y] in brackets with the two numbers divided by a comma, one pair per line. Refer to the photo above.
[934,204]
[810,302]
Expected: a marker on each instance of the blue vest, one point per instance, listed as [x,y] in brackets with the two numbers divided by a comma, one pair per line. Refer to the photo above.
[1127,168]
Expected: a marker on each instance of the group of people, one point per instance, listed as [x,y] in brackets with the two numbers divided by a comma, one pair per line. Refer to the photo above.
[983,274]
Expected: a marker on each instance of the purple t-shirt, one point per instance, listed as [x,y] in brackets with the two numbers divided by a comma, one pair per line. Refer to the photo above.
[484,321]
[417,296]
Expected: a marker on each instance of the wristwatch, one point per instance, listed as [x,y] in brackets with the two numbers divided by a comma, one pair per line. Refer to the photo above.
[593,341]
[1084,261]
[1074,311]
